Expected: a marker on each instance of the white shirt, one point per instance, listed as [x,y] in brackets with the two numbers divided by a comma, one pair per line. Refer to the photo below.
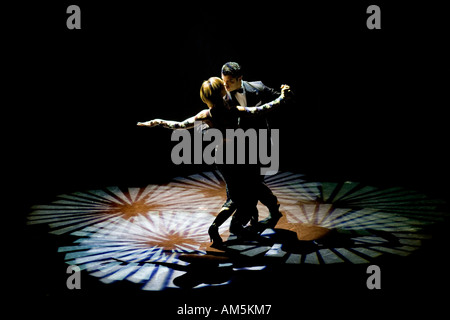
[240,97]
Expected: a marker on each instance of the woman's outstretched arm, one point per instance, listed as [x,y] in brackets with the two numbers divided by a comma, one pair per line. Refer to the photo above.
[285,90]
[185,124]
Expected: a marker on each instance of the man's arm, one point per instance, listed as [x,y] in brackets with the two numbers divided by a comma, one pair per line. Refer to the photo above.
[269,93]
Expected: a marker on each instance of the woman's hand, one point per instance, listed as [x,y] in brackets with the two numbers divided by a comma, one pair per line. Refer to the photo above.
[151,123]
[285,91]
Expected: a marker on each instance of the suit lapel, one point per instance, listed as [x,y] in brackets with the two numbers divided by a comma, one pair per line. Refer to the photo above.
[251,93]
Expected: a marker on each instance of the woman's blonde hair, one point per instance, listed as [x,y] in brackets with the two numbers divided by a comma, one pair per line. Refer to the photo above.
[211,91]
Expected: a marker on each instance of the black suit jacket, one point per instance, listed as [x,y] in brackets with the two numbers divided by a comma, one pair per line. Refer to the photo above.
[257,94]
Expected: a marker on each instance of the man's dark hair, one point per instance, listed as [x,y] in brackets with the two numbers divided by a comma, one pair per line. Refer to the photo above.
[232,69]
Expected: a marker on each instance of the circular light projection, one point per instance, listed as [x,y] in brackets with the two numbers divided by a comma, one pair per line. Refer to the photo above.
[142,234]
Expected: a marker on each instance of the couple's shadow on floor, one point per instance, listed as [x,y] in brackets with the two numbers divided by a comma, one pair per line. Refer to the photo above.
[272,247]
[235,254]
[288,241]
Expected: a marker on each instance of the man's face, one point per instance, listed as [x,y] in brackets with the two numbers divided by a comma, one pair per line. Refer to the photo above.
[231,83]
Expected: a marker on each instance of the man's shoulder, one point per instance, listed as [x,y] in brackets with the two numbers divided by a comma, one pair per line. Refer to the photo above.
[254,85]
[258,86]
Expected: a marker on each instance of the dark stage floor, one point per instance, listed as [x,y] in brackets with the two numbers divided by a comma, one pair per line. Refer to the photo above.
[149,244]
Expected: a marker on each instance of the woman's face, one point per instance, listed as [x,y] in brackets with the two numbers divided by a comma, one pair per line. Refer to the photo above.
[223,93]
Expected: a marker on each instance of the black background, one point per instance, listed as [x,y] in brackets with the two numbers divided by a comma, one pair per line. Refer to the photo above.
[370,104]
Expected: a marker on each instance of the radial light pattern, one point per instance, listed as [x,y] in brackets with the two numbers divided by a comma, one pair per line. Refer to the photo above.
[138,234]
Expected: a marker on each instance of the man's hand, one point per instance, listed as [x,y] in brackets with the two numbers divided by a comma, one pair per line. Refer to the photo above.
[285,91]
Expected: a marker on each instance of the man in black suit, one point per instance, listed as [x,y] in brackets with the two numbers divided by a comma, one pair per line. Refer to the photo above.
[246,94]
[249,94]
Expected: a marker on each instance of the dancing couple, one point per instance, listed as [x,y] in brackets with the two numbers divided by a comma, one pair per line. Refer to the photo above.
[234,103]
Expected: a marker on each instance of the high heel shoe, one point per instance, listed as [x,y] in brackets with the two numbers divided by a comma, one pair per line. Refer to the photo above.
[214,236]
